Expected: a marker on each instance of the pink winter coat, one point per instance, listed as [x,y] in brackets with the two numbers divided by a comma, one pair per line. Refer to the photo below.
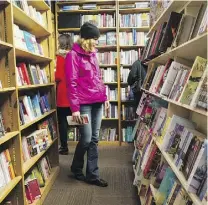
[83,78]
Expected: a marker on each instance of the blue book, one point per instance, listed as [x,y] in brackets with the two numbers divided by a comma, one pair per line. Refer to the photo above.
[29,42]
[165,186]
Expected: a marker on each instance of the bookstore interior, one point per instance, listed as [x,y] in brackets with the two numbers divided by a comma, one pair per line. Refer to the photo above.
[167,129]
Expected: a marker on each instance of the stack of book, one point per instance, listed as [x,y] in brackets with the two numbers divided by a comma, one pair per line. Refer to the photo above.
[107,57]
[33,106]
[109,75]
[128,113]
[26,41]
[124,74]
[132,38]
[6,168]
[36,179]
[112,112]
[134,5]
[30,74]
[30,11]
[127,134]
[70,8]
[126,94]
[129,57]
[108,38]
[134,20]
[163,38]
[108,134]
[112,94]
[100,20]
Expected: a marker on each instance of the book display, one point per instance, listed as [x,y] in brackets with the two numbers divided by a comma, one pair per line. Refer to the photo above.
[170,135]
[123,26]
[28,129]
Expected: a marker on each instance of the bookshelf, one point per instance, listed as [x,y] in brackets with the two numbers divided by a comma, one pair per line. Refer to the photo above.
[186,54]
[116,8]
[11,92]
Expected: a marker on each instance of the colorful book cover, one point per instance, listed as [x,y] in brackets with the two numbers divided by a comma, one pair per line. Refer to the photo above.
[165,186]
[199,169]
[197,71]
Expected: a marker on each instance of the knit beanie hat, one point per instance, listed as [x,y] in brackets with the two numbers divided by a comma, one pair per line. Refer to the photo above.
[89,31]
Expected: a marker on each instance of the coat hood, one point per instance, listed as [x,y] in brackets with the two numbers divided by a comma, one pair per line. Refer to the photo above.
[76,47]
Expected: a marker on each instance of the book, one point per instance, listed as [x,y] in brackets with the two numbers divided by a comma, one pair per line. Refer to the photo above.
[83,120]
[165,186]
[198,68]
[199,169]
[2,129]
[185,30]
[175,67]
[172,130]
[170,31]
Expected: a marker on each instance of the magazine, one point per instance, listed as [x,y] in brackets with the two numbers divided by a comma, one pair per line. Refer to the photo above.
[83,120]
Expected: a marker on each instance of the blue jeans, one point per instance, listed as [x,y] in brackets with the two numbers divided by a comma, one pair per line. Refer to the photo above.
[88,142]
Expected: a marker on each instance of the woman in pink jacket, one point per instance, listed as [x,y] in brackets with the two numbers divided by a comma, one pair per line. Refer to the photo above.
[86,93]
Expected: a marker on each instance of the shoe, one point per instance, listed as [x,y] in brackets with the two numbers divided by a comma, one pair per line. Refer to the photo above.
[63,151]
[98,182]
[78,176]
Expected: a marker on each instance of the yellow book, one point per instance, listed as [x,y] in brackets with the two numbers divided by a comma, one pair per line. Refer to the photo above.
[198,68]
[167,123]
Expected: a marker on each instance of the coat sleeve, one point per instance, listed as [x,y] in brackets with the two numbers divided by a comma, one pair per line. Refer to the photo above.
[71,70]
[59,74]
[132,74]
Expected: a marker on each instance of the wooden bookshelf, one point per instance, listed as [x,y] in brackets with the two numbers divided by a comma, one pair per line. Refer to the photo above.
[4,90]
[199,44]
[22,19]
[34,58]
[179,104]
[5,46]
[29,163]
[102,29]
[22,127]
[185,54]
[28,87]
[10,92]
[89,11]
[8,136]
[179,175]
[134,10]
[174,5]
[9,187]
[140,29]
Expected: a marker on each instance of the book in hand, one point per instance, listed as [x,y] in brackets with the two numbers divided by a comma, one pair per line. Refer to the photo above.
[83,120]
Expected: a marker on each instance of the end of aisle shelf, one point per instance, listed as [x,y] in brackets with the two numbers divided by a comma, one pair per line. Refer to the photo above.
[27,93]
[8,188]
[173,112]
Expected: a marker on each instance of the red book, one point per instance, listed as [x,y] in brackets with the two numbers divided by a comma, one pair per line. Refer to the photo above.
[34,188]
[167,65]
[149,162]
[152,52]
[25,73]
[28,194]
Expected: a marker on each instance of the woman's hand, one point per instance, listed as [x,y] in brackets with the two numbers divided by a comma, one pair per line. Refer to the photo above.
[76,116]
[107,105]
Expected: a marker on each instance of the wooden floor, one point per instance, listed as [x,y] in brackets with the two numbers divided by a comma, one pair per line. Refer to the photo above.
[115,167]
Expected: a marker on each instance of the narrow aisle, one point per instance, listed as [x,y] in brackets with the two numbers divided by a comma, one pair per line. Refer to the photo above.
[115,167]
